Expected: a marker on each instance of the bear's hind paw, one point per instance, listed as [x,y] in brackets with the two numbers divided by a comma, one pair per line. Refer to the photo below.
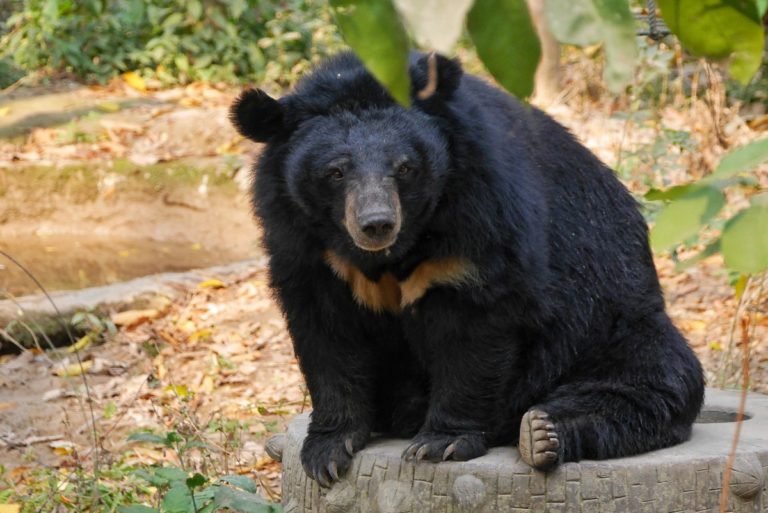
[539,442]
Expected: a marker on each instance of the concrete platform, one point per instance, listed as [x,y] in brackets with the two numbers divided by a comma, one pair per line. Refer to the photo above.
[687,477]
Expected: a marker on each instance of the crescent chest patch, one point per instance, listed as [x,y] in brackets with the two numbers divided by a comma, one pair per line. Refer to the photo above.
[389,294]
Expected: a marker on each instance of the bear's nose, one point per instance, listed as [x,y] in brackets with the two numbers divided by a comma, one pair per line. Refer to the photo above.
[377,226]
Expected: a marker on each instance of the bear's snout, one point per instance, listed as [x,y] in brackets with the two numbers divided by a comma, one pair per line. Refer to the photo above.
[378,225]
[372,217]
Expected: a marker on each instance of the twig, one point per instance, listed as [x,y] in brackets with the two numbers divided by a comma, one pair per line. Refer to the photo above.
[59,318]
[725,361]
[431,86]
[745,322]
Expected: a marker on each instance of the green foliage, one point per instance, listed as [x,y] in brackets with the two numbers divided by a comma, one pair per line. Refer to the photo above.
[373,29]
[691,207]
[180,491]
[503,34]
[743,247]
[719,29]
[173,41]
[684,216]
[588,22]
[50,489]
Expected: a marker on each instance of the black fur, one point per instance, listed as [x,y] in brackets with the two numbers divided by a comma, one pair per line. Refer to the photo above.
[568,315]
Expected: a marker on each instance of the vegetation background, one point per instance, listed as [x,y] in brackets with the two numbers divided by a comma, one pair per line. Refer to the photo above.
[117,161]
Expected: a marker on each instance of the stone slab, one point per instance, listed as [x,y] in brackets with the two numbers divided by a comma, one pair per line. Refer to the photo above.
[687,477]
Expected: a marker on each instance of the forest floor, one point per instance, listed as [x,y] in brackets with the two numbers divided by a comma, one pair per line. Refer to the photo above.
[215,363]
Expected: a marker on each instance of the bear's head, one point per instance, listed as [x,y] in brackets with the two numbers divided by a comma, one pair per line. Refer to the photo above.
[366,171]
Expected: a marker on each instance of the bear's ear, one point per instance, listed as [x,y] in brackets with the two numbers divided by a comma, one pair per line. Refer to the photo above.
[436,75]
[257,116]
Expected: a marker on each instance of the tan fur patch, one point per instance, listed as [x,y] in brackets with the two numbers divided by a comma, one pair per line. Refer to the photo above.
[446,271]
[389,294]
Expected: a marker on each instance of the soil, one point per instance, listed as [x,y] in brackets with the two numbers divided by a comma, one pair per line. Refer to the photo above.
[99,185]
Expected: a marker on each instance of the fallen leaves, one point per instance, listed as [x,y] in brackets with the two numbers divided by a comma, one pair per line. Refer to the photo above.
[74,369]
[132,318]
[135,81]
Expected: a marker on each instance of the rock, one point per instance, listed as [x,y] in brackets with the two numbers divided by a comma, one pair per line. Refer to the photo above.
[686,477]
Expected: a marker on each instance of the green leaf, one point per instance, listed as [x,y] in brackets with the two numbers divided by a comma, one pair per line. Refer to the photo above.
[668,194]
[195,9]
[684,216]
[172,474]
[172,437]
[178,500]
[143,436]
[741,159]
[373,30]
[242,482]
[506,42]
[136,508]
[196,480]
[243,502]
[745,239]
[588,22]
[719,29]
[433,27]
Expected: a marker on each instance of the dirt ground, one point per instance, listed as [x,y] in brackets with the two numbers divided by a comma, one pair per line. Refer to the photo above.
[105,184]
[221,351]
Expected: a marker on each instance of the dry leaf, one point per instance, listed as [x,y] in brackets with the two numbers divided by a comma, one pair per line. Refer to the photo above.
[211,284]
[75,369]
[8,406]
[62,447]
[10,508]
[200,335]
[82,343]
[135,81]
[109,106]
[133,318]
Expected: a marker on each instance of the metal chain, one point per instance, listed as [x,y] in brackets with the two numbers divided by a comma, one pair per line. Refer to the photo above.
[653,31]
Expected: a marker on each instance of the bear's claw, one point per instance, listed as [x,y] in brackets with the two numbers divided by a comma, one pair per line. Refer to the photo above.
[326,457]
[436,446]
[539,442]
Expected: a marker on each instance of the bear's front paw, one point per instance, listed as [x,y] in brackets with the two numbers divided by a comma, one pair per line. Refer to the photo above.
[539,442]
[327,456]
[436,446]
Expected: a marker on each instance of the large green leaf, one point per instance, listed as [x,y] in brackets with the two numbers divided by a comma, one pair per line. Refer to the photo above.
[587,22]
[506,42]
[373,30]
[242,482]
[143,436]
[243,502]
[743,158]
[719,29]
[684,216]
[745,238]
[435,24]
[178,499]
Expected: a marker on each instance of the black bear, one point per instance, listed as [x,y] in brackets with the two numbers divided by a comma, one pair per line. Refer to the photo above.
[462,272]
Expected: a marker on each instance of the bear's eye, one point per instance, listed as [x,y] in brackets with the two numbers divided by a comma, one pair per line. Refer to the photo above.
[334,172]
[404,169]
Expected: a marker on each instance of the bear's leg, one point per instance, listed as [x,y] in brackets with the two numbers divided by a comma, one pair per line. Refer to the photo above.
[647,402]
[402,397]
[467,353]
